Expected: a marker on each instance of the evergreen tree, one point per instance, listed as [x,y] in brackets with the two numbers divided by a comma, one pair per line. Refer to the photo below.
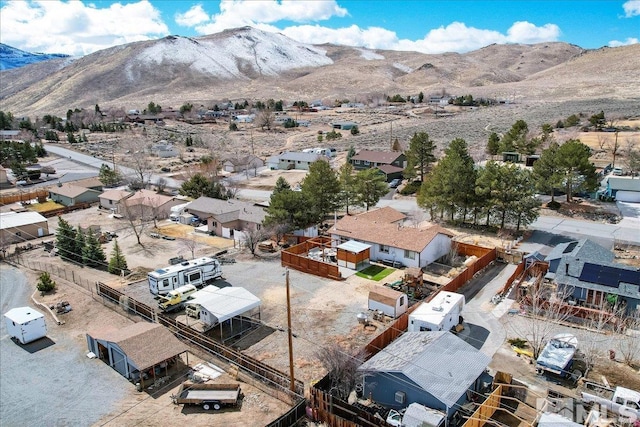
[493,144]
[486,184]
[396,145]
[419,155]
[290,210]
[45,283]
[516,138]
[578,172]
[420,97]
[370,186]
[348,190]
[547,173]
[322,189]
[117,262]
[109,177]
[199,186]
[92,254]
[66,240]
[281,185]
[526,209]
[81,241]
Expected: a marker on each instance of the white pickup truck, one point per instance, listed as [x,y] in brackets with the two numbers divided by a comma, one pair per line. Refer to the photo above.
[416,415]
[613,403]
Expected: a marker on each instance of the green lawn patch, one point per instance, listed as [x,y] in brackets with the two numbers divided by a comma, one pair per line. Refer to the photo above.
[375,272]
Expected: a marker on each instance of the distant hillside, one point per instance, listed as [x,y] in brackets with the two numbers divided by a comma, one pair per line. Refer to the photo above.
[247,63]
[10,57]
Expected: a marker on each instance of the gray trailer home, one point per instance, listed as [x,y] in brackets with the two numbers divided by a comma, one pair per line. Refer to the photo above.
[25,324]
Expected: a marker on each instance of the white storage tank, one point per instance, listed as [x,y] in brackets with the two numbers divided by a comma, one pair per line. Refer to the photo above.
[25,324]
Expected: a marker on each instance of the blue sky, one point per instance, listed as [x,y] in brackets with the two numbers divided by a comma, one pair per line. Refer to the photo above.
[80,27]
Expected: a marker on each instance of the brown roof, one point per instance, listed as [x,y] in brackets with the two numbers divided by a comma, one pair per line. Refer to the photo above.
[386,214]
[384,157]
[145,344]
[384,233]
[384,295]
[69,190]
[115,195]
[148,198]
[89,183]
[387,169]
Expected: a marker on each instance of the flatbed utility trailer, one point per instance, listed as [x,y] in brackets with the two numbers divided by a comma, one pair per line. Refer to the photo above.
[209,396]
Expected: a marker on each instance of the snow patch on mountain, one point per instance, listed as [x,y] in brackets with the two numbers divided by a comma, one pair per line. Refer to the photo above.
[402,67]
[239,55]
[369,55]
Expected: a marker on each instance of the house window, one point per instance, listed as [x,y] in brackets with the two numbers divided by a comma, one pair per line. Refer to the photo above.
[356,162]
[384,248]
[110,202]
[214,224]
[409,254]
[258,226]
[367,163]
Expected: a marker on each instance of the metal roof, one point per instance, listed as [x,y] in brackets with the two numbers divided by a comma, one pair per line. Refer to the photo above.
[229,302]
[17,219]
[439,362]
[353,246]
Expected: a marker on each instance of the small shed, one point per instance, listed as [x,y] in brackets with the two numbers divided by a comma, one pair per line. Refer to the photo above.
[510,156]
[25,324]
[391,302]
[353,255]
[440,314]
[138,351]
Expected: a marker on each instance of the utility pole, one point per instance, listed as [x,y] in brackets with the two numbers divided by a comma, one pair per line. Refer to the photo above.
[292,385]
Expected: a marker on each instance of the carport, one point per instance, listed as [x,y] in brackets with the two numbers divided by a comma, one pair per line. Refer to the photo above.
[225,304]
[353,255]
[137,350]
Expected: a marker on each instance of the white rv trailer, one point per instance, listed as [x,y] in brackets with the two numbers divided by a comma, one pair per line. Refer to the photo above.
[197,272]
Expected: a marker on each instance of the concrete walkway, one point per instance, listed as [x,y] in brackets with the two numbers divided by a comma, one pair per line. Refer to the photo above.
[481,317]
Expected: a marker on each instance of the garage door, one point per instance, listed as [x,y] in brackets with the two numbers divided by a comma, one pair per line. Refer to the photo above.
[628,196]
[119,362]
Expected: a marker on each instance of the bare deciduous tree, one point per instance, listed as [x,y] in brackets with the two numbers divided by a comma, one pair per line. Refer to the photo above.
[138,215]
[138,160]
[545,309]
[614,149]
[252,237]
[265,119]
[191,245]
[629,342]
[342,365]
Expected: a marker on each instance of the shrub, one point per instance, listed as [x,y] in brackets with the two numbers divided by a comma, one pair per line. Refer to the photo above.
[411,188]
[45,284]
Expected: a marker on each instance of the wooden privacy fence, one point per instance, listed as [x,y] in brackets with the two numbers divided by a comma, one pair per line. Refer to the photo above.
[7,199]
[335,412]
[486,410]
[295,257]
[485,257]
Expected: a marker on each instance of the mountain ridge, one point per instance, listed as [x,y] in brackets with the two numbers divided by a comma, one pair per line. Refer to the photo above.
[246,63]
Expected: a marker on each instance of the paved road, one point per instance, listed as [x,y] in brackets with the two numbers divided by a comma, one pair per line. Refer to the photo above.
[97,163]
[50,382]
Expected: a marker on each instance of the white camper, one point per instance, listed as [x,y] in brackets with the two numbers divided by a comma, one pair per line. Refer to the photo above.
[440,314]
[25,324]
[198,272]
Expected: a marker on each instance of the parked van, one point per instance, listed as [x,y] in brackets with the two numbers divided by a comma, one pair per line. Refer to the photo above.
[617,171]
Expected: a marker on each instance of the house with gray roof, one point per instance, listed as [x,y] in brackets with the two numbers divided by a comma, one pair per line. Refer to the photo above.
[436,369]
[623,188]
[296,160]
[589,274]
[226,217]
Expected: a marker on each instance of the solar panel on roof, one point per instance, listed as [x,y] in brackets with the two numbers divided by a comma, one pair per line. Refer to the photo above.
[607,275]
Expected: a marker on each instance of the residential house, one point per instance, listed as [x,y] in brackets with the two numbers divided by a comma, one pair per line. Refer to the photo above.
[344,125]
[18,227]
[391,163]
[110,199]
[68,194]
[242,163]
[392,243]
[226,217]
[138,350]
[148,204]
[296,160]
[436,369]
[589,275]
[164,149]
[8,135]
[93,183]
[624,189]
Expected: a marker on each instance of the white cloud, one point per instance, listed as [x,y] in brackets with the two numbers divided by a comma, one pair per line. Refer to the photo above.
[75,28]
[455,37]
[239,13]
[628,41]
[631,8]
[194,16]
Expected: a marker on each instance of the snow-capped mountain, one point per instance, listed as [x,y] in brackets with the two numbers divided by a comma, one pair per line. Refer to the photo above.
[11,57]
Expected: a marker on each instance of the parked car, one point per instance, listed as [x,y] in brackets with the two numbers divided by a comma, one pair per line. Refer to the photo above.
[395,183]
[617,171]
